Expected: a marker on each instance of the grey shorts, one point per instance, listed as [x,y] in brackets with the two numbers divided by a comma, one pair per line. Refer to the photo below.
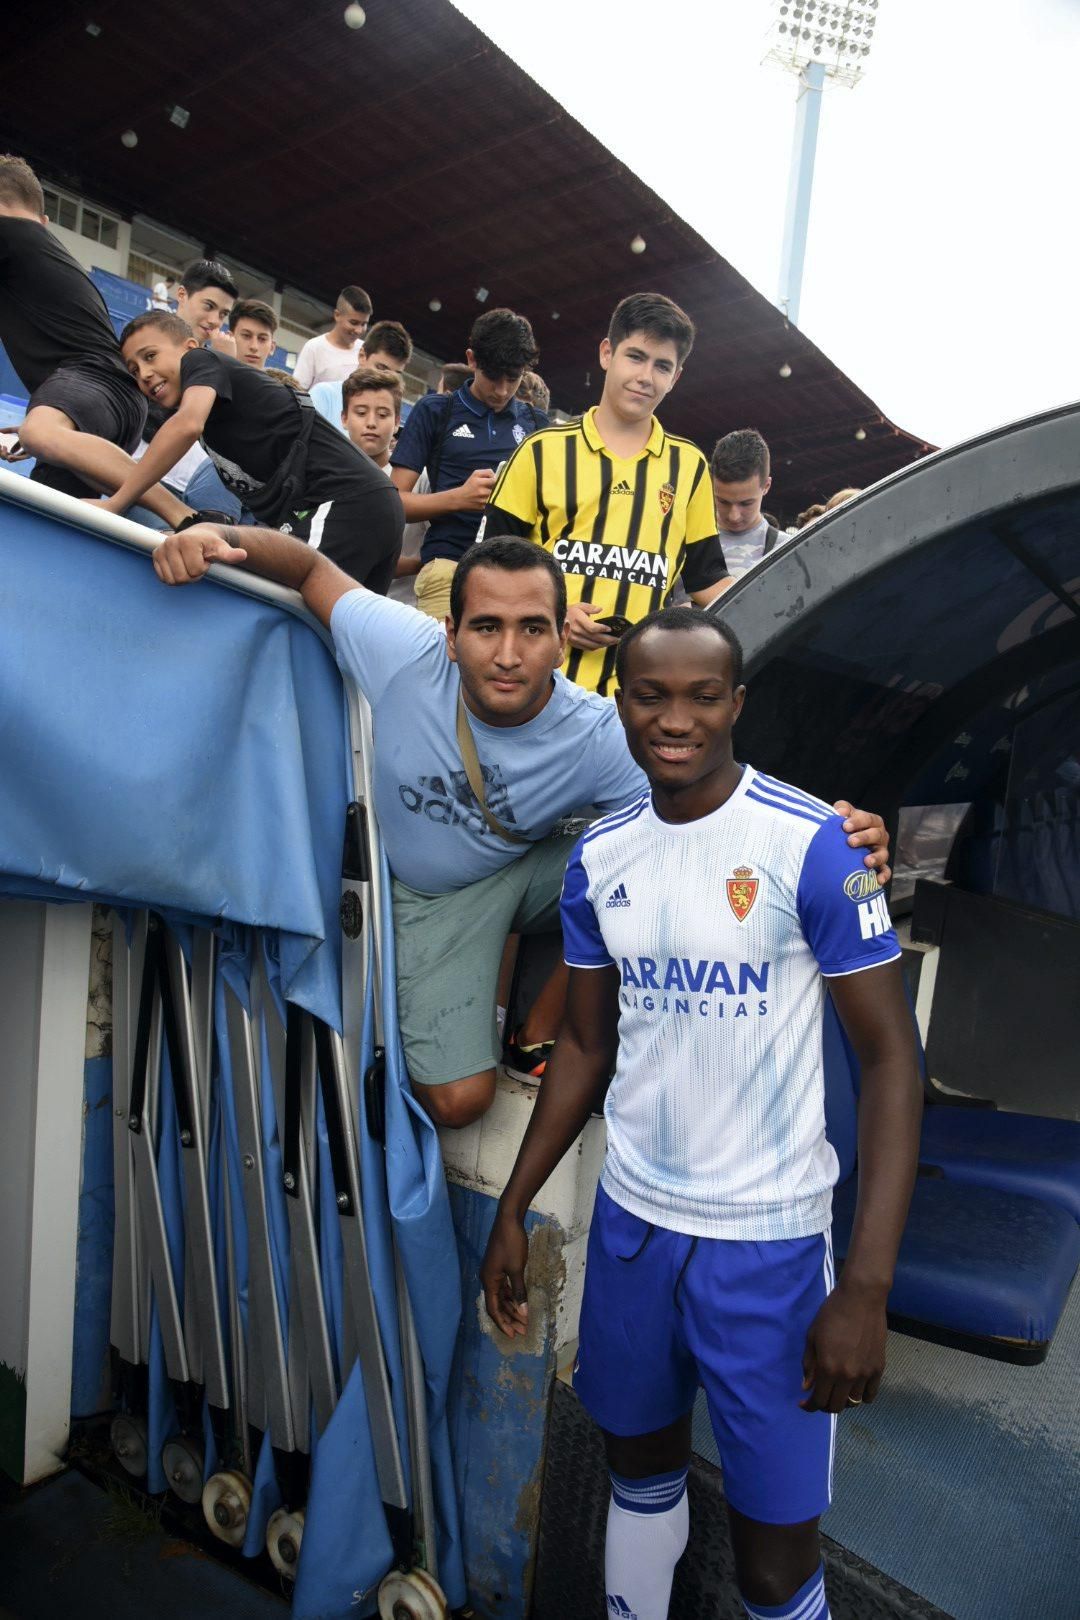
[449,947]
[105,405]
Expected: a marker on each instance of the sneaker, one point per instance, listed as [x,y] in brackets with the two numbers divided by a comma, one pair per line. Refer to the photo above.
[526,1063]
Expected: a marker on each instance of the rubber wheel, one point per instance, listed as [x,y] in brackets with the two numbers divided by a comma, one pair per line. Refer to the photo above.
[412,1596]
[284,1534]
[182,1464]
[226,1503]
[127,1435]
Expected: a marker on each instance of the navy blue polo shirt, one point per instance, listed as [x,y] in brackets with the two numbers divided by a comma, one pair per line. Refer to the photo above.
[455,434]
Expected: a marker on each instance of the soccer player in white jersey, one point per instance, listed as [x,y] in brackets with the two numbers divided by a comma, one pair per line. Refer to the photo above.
[703,924]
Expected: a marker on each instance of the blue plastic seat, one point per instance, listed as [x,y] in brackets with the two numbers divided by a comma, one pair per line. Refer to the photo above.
[988,1267]
[1014,1153]
[977,1264]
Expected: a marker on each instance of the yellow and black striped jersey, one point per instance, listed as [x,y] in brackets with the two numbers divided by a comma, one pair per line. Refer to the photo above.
[623,532]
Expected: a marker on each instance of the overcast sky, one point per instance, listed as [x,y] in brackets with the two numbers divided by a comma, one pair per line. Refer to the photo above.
[944,248]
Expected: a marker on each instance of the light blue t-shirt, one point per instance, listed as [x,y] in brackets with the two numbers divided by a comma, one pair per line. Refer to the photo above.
[571,755]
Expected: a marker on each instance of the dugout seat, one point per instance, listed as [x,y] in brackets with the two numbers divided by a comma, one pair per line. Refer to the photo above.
[986,1269]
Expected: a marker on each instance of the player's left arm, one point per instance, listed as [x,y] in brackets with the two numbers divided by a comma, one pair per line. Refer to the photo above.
[845,1347]
[853,941]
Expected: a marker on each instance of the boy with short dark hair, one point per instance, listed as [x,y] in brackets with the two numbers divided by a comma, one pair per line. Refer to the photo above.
[253,328]
[460,440]
[272,449]
[454,375]
[332,355]
[741,480]
[624,507]
[85,414]
[371,411]
[204,299]
[386,346]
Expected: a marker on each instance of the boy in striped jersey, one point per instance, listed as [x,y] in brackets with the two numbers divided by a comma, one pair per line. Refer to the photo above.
[709,1255]
[625,508]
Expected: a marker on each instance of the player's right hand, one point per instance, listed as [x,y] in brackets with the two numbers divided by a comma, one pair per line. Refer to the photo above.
[503,1276]
[476,491]
[183,558]
[582,633]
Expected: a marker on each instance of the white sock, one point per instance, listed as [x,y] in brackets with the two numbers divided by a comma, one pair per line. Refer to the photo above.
[647,1529]
[808,1603]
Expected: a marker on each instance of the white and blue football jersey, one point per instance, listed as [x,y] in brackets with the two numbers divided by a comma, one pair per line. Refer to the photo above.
[723,931]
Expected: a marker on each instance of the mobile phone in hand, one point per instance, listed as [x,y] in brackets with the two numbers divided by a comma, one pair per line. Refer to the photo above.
[615,622]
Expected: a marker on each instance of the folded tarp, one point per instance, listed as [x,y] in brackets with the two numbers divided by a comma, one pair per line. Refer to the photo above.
[181,749]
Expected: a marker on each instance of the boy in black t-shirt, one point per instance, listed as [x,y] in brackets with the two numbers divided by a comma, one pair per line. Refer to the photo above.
[270,446]
[84,412]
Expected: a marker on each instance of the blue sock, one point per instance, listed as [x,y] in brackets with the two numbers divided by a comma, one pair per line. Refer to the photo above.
[647,1528]
[809,1603]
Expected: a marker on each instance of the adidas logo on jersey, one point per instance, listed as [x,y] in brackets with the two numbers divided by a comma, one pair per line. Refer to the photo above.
[619,1608]
[463,432]
[617,897]
[621,488]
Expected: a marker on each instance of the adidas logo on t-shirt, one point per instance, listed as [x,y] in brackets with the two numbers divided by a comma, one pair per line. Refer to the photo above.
[621,488]
[463,432]
[617,897]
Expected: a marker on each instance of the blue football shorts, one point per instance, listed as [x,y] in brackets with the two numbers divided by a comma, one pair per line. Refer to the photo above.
[663,1313]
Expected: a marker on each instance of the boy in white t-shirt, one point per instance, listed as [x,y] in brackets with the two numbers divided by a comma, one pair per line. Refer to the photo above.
[334,354]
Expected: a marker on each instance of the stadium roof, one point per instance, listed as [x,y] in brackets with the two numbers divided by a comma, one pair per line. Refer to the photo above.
[414,157]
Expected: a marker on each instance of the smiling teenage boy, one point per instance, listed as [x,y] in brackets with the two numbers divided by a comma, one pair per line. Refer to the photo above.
[625,508]
[273,450]
[709,1258]
[204,299]
[332,355]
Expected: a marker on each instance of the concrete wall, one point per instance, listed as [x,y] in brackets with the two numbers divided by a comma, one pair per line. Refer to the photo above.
[44,969]
[502,1389]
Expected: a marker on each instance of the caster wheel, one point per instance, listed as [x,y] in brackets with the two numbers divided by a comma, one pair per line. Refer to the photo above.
[226,1503]
[182,1465]
[411,1596]
[284,1533]
[127,1436]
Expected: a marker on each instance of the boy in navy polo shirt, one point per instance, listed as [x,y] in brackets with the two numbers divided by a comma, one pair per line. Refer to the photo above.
[461,438]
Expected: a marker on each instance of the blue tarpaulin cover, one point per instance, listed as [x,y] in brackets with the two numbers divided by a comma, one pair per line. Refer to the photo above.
[188,751]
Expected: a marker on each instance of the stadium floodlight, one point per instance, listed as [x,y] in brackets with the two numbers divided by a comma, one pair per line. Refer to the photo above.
[817,40]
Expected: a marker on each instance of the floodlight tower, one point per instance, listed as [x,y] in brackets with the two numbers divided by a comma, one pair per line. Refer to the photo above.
[817,40]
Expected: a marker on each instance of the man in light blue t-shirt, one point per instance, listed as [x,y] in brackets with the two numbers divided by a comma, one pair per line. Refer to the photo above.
[479,704]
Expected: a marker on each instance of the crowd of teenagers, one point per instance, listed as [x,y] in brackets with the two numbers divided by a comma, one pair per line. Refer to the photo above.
[553,721]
